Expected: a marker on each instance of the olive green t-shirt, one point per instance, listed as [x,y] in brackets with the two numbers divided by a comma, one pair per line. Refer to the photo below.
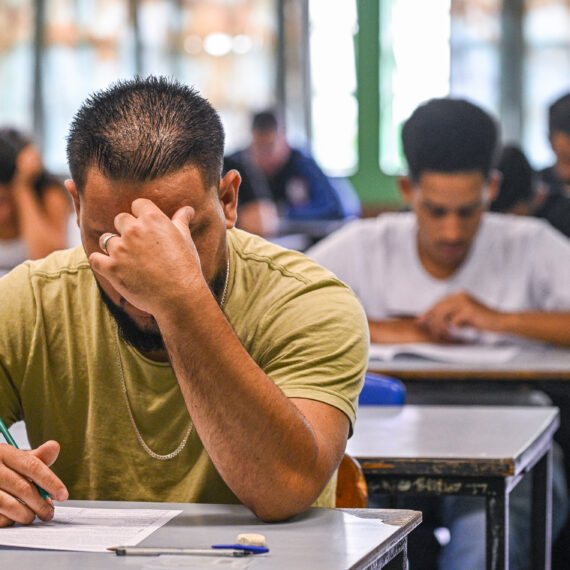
[60,358]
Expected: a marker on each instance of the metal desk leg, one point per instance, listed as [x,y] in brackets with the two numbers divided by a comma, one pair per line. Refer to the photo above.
[542,512]
[497,521]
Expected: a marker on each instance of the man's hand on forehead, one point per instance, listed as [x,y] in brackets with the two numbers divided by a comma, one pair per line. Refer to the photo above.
[149,256]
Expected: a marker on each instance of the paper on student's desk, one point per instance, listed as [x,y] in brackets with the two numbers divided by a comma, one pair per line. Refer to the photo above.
[87,529]
[468,354]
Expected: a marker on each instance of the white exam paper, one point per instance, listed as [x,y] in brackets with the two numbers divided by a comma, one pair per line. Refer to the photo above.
[87,529]
[468,354]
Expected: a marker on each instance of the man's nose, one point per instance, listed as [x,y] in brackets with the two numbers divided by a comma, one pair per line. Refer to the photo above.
[452,229]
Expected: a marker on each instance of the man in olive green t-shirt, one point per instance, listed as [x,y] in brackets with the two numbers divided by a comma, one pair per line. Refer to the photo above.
[172,358]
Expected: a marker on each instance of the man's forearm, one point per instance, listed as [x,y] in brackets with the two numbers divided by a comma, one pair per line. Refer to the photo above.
[397,331]
[548,327]
[263,446]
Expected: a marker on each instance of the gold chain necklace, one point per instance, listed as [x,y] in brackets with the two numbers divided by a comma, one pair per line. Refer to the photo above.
[143,443]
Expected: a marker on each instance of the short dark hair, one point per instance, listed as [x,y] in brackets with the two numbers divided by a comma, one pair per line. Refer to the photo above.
[265,121]
[559,116]
[449,135]
[517,182]
[8,156]
[145,128]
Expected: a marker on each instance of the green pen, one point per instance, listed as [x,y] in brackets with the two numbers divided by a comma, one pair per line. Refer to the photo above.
[9,439]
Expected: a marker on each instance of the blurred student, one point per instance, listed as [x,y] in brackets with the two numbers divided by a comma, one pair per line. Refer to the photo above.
[518,183]
[556,206]
[280,181]
[447,271]
[34,207]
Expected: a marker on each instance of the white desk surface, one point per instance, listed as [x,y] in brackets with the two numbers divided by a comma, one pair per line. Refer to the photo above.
[479,438]
[531,363]
[317,539]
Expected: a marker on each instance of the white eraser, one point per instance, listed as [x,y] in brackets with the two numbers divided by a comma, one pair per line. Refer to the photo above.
[251,539]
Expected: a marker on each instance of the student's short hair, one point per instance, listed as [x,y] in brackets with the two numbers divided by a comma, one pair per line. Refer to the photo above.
[559,116]
[8,155]
[145,128]
[449,135]
[517,179]
[265,121]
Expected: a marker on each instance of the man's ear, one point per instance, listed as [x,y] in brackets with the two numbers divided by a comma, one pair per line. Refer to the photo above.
[228,196]
[406,187]
[72,189]
[493,186]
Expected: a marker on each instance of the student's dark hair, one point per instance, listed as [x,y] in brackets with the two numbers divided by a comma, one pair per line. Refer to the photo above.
[449,135]
[8,155]
[16,137]
[265,121]
[517,179]
[559,116]
[145,128]
[12,141]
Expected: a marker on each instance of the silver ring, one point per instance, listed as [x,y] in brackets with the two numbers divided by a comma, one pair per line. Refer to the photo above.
[105,240]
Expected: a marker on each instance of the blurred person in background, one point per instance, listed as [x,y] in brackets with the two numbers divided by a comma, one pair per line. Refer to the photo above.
[280,181]
[34,207]
[519,191]
[556,206]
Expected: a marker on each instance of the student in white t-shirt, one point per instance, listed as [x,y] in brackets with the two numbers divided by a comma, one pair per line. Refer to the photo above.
[426,274]
[446,270]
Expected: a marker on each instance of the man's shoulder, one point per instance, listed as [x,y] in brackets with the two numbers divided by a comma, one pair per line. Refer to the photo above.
[61,275]
[59,263]
[265,259]
[525,236]
[381,231]
[511,226]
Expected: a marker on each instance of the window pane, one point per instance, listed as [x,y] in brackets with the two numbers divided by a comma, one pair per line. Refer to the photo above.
[546,72]
[414,66]
[334,109]
[16,63]
[89,44]
[226,49]
[475,37]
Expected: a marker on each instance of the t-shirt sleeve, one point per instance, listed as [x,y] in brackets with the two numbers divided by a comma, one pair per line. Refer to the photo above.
[551,271]
[341,252]
[16,329]
[317,346]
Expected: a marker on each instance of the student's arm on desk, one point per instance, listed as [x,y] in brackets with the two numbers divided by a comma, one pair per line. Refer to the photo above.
[463,310]
[398,331]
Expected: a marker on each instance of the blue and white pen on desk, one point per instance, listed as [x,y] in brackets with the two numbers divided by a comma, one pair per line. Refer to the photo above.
[9,439]
[233,550]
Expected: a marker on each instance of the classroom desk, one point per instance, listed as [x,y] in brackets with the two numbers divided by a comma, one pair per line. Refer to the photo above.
[319,539]
[538,363]
[463,450]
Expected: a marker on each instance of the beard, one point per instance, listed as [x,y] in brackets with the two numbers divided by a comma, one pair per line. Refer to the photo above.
[145,339]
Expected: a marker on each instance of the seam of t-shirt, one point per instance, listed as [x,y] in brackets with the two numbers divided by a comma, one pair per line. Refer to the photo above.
[61,271]
[272,265]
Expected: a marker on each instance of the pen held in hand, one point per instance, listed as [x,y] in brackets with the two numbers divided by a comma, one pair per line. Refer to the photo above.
[10,440]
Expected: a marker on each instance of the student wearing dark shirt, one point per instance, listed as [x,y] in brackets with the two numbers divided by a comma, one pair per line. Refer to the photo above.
[275,173]
[556,178]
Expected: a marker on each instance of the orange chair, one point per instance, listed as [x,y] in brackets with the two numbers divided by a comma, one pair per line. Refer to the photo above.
[351,488]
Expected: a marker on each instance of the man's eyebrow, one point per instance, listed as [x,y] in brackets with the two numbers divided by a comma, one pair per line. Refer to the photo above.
[435,206]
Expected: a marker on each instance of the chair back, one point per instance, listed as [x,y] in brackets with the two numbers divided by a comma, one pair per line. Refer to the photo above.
[380,390]
[351,488]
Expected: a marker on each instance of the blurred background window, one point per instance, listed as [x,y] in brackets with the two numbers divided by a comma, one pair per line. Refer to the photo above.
[345,73]
[17,62]
[333,101]
[414,66]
